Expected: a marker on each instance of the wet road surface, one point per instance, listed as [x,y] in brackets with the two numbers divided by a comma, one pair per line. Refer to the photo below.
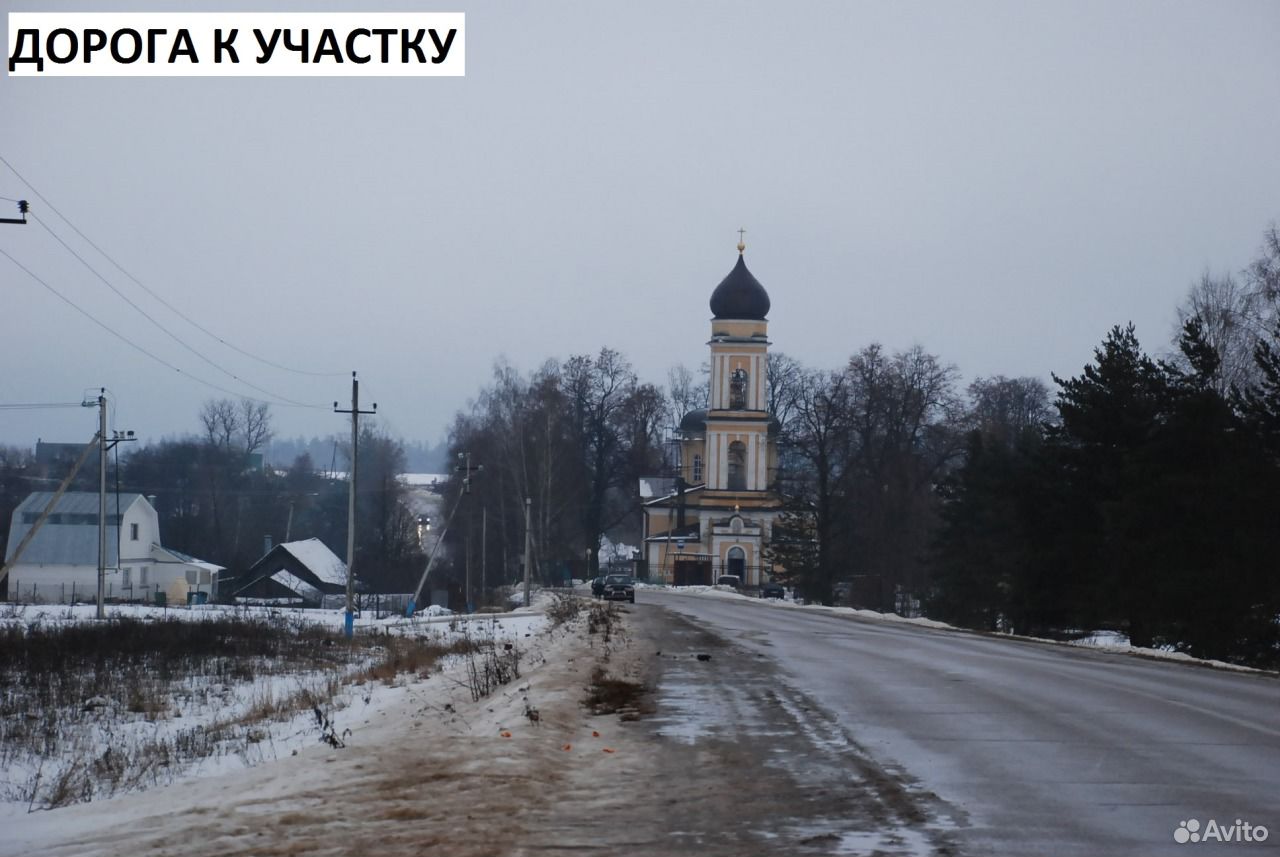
[1009,747]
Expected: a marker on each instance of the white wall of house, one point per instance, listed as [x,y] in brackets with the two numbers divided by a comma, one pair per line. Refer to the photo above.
[133,581]
[142,570]
[139,530]
[54,583]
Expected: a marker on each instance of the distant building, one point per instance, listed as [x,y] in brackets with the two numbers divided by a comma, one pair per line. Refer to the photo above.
[61,562]
[715,515]
[302,572]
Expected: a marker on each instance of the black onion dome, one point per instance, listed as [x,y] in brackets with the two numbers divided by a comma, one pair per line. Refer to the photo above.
[740,295]
[695,421]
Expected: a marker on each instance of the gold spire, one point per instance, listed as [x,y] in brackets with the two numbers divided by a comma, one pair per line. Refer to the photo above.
[741,244]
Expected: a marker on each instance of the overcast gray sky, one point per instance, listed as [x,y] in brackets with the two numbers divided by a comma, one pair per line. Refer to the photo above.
[999,182]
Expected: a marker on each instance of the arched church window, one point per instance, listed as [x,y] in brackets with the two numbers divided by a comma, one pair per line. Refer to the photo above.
[697,469]
[737,466]
[738,389]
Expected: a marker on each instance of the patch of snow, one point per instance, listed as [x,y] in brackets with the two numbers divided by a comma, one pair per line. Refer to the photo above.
[423,479]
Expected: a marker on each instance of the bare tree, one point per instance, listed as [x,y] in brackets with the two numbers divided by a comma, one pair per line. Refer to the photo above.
[255,424]
[1263,274]
[221,421]
[684,391]
[1002,408]
[1235,315]
[785,378]
[1231,316]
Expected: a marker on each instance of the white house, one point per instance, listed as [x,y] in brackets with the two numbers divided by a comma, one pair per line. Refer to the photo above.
[61,562]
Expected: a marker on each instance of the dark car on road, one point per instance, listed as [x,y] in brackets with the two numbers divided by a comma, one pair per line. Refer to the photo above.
[619,587]
[772,590]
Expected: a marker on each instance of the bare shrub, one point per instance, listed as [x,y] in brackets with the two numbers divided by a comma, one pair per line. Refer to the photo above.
[490,668]
[564,608]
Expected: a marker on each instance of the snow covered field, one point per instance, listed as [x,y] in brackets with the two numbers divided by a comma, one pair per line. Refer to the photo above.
[143,729]
[421,757]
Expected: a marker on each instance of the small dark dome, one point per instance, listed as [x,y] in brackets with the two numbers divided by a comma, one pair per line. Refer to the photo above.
[740,295]
[695,421]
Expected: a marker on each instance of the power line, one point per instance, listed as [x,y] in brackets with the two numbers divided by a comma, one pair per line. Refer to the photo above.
[143,286]
[130,342]
[160,326]
[36,406]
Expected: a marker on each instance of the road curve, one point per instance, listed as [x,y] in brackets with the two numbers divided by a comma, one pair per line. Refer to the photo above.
[1032,749]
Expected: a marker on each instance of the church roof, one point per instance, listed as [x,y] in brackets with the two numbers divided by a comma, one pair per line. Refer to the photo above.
[695,421]
[740,295]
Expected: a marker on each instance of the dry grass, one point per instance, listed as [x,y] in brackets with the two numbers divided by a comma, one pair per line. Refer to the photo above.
[68,691]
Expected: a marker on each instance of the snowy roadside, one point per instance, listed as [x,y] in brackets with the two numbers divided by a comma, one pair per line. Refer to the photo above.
[425,767]
[1109,642]
[143,734]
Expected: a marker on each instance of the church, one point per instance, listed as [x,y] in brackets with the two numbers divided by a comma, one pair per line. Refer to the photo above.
[714,516]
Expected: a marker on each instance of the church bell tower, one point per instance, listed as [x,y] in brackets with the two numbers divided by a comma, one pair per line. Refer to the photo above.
[737,440]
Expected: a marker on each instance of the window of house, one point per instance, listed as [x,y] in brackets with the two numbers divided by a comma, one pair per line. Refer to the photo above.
[737,466]
[697,469]
[133,532]
[126,577]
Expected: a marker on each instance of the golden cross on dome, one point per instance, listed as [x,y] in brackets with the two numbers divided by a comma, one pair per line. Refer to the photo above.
[741,240]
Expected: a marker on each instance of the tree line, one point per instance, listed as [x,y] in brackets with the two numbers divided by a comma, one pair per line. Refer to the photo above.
[1143,495]
[1149,504]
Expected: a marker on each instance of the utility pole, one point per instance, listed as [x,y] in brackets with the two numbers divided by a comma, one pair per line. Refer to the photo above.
[467,469]
[484,549]
[355,412]
[102,499]
[23,208]
[103,446]
[528,546]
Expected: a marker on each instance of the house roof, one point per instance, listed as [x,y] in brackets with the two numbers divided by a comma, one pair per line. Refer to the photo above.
[656,486]
[296,584]
[690,532]
[321,561]
[70,534]
[169,555]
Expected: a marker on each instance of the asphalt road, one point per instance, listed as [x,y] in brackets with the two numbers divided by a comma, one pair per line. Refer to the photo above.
[1020,748]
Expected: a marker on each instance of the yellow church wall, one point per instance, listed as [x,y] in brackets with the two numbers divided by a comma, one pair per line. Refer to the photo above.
[739,328]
